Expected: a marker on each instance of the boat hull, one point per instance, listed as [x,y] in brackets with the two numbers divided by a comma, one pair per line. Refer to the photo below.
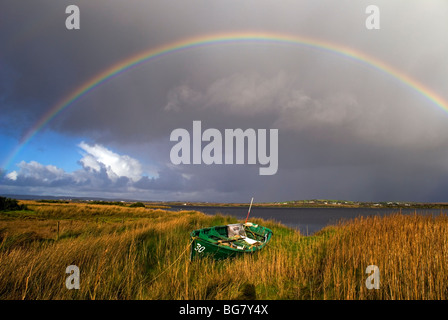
[214,242]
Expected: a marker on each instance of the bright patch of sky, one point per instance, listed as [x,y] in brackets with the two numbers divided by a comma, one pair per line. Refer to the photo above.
[47,147]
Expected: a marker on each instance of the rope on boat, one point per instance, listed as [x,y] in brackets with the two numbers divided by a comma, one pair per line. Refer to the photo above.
[180,256]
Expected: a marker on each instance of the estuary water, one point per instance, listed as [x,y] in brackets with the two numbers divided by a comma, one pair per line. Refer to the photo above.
[307,220]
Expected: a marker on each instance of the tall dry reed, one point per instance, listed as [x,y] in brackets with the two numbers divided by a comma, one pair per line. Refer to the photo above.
[136,253]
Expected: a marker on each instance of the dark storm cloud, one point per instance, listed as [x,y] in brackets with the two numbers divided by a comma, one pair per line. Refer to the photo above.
[346,130]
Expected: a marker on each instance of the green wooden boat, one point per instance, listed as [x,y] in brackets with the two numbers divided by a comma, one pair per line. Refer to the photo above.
[221,242]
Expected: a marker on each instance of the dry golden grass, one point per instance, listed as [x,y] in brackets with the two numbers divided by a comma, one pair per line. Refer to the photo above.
[137,253]
[410,251]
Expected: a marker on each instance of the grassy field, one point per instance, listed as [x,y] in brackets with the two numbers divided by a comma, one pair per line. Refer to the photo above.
[141,253]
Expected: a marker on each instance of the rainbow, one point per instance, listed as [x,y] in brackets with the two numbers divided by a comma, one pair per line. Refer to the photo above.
[223,38]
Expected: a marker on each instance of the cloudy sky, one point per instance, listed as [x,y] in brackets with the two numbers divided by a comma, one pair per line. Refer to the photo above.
[346,129]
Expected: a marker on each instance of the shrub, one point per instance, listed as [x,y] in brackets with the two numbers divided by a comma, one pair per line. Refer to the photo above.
[137,205]
[8,204]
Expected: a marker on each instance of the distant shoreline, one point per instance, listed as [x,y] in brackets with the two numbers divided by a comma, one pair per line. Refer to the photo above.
[373,205]
[167,204]
[314,203]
